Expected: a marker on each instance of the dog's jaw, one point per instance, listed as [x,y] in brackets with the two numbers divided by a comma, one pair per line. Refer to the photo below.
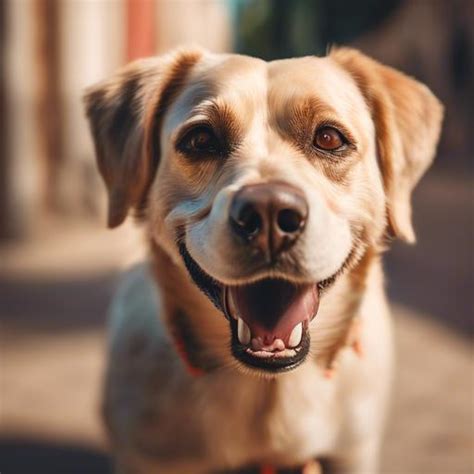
[281,346]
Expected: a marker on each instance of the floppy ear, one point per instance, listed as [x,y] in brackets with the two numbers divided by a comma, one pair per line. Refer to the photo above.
[407,118]
[123,112]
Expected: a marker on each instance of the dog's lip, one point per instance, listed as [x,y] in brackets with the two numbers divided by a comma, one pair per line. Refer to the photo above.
[269,322]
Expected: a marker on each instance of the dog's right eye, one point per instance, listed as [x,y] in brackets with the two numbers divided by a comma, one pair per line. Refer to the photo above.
[199,140]
[328,139]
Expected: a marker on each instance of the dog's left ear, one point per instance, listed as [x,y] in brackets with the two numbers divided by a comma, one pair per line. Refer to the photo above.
[123,111]
[407,118]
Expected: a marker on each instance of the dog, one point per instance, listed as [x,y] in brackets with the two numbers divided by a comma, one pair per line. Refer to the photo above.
[257,337]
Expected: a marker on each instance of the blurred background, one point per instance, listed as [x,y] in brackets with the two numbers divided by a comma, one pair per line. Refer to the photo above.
[58,264]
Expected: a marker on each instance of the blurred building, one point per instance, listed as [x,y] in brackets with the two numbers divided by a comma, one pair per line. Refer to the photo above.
[50,51]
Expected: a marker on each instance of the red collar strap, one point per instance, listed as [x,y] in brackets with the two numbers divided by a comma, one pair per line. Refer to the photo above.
[187,346]
[266,469]
[189,364]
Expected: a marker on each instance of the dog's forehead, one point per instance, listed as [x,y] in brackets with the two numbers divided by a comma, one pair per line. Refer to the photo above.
[286,77]
[311,76]
[237,80]
[251,85]
[225,69]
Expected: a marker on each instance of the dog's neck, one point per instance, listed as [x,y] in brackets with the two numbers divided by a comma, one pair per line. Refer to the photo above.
[201,333]
[196,326]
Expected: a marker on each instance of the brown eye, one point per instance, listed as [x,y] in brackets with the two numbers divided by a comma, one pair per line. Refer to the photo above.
[199,140]
[328,138]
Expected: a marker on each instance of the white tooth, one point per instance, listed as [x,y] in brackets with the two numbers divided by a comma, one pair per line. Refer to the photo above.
[232,307]
[296,335]
[243,331]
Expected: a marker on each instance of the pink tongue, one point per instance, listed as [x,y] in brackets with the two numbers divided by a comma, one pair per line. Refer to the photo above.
[272,308]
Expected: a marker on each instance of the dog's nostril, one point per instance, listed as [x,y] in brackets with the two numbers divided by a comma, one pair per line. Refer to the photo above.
[289,220]
[253,223]
[249,221]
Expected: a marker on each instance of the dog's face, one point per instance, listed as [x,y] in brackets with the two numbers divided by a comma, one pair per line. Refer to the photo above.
[266,180]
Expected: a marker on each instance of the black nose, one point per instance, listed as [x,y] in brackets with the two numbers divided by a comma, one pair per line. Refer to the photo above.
[269,216]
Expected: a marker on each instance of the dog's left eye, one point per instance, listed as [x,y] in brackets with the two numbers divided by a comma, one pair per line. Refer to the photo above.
[328,139]
[199,140]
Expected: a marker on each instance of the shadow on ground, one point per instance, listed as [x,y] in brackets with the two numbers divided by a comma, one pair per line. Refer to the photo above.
[56,304]
[22,456]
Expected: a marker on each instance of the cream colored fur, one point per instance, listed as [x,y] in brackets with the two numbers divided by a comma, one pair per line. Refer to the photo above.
[159,417]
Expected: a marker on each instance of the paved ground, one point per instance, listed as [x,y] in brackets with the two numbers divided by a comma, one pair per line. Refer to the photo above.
[53,295]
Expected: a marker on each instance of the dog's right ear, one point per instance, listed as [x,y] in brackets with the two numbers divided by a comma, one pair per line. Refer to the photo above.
[122,113]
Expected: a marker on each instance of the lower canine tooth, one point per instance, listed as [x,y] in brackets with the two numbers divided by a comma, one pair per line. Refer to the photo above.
[296,334]
[243,331]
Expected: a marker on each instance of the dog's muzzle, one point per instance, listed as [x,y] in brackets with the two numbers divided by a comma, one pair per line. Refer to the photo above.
[269,318]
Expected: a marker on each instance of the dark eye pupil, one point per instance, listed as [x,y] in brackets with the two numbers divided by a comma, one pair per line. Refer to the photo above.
[328,139]
[202,140]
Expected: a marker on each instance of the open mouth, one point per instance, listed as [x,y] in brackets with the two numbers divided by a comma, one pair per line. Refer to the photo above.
[269,319]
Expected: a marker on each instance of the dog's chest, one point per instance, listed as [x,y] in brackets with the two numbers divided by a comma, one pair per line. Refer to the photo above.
[287,421]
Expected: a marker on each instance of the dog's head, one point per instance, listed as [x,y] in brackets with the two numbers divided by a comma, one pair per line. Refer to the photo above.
[266,180]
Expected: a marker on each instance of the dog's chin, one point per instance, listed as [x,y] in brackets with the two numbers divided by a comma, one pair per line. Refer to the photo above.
[269,319]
